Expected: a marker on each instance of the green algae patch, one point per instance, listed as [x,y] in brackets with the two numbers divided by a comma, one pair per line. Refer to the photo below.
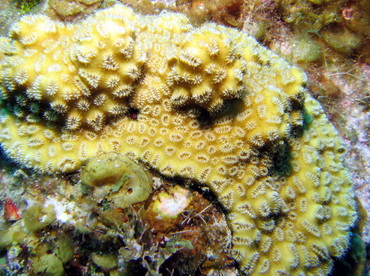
[64,248]
[106,262]
[11,235]
[48,265]
[37,217]
[117,179]
[26,6]
[306,50]
[343,40]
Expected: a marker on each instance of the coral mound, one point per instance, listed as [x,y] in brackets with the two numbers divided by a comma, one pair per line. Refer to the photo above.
[205,103]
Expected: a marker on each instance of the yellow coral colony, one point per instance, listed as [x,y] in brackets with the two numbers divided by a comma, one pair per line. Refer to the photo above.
[212,105]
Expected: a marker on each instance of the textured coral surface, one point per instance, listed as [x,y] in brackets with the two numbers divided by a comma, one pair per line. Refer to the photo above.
[205,103]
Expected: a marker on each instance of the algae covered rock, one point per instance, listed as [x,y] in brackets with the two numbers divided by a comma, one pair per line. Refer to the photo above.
[47,250]
[306,50]
[37,217]
[117,178]
[342,39]
[63,248]
[48,265]
[106,262]
[14,234]
[50,255]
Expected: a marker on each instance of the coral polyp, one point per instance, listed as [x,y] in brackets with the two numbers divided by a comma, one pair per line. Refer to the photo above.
[211,105]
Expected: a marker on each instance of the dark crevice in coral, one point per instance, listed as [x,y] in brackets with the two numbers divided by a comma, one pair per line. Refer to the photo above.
[209,195]
[133,113]
[354,259]
[230,109]
[194,185]
[9,165]
[281,160]
[297,131]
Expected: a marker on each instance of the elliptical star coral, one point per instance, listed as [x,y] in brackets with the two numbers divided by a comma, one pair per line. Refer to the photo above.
[206,103]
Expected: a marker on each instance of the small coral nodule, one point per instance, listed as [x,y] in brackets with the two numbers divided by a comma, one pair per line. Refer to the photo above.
[170,203]
[210,103]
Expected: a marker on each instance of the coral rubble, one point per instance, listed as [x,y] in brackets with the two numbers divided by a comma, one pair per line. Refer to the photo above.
[68,10]
[66,230]
[207,103]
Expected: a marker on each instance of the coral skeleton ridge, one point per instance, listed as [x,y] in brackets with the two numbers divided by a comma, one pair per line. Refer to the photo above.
[206,103]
